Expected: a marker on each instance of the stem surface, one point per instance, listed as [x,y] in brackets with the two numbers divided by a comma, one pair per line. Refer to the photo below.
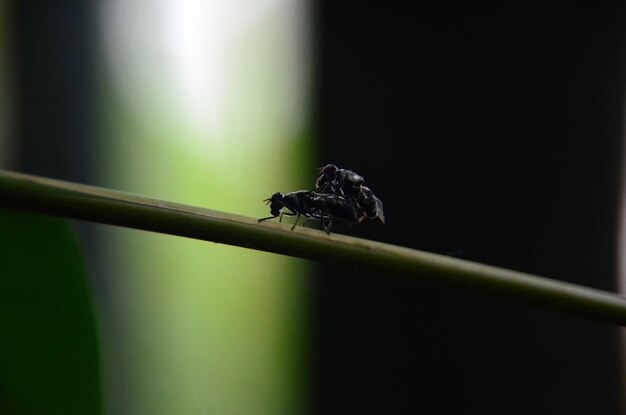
[38,194]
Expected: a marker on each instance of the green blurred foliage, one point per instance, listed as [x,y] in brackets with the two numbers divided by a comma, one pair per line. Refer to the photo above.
[211,112]
[48,346]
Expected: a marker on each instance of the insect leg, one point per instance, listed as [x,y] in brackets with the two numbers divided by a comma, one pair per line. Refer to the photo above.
[309,218]
[322,189]
[327,224]
[294,224]
[269,217]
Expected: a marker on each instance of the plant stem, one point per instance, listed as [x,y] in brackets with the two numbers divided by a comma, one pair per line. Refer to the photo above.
[38,194]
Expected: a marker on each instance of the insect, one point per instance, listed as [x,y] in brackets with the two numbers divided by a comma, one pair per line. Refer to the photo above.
[326,207]
[341,182]
[371,205]
[294,202]
[346,183]
[313,206]
[339,194]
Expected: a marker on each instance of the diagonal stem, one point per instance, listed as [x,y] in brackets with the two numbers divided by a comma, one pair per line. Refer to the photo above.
[38,194]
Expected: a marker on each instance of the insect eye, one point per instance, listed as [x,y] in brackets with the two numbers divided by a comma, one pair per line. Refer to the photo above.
[330,169]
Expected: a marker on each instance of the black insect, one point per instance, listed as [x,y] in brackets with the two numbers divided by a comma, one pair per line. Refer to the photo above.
[348,184]
[338,181]
[313,206]
[371,206]
[294,202]
[326,207]
[339,194]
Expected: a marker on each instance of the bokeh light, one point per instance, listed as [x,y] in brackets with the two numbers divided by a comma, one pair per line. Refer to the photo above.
[206,103]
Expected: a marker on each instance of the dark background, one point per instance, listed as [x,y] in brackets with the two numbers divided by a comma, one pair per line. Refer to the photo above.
[494,134]
[54,45]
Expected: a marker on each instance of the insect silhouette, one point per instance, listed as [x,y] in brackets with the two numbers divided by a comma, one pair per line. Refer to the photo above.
[313,206]
[338,181]
[327,207]
[293,202]
[339,194]
[371,205]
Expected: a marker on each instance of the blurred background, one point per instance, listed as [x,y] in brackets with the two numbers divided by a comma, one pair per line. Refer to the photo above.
[494,134]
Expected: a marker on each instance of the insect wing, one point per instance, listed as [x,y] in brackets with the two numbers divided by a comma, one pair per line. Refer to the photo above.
[379,210]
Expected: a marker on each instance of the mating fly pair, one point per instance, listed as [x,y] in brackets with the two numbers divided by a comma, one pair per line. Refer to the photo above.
[338,194]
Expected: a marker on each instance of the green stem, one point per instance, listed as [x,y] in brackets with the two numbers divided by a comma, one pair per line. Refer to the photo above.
[25,192]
